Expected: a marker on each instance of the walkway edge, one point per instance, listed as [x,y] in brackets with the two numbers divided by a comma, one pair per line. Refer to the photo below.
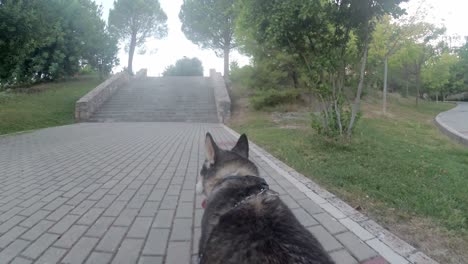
[448,131]
[388,245]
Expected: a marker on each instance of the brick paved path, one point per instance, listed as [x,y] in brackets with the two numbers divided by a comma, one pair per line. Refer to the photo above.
[124,193]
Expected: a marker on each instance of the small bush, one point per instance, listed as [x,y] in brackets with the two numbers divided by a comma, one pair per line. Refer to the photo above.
[270,98]
[326,122]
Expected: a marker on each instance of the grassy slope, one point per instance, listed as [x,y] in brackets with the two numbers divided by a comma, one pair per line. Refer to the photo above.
[53,107]
[398,164]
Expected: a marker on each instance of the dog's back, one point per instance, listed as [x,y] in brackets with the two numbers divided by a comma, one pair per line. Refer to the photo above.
[246,225]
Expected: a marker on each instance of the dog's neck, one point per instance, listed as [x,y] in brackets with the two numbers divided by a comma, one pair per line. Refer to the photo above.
[249,186]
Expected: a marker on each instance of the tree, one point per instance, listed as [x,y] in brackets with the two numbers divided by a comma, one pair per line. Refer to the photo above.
[459,76]
[210,24]
[329,37]
[135,21]
[185,67]
[437,73]
[47,40]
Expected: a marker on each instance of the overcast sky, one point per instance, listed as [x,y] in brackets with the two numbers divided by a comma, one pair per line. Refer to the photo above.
[161,53]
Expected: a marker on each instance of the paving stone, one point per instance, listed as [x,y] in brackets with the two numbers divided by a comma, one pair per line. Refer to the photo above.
[6,226]
[90,217]
[378,260]
[303,217]
[328,242]
[128,251]
[149,209]
[39,246]
[182,230]
[106,201]
[11,235]
[13,250]
[100,226]
[164,219]
[71,236]
[37,230]
[80,251]
[386,252]
[140,227]
[156,195]
[184,210]
[126,217]
[156,242]
[52,255]
[187,195]
[20,260]
[358,249]
[198,217]
[356,229]
[343,257]
[330,223]
[178,252]
[34,218]
[289,201]
[111,240]
[83,207]
[311,207]
[60,212]
[196,239]
[115,208]
[150,260]
[63,225]
[32,209]
[169,202]
[99,258]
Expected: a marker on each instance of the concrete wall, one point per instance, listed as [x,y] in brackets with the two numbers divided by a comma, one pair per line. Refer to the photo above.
[221,94]
[87,105]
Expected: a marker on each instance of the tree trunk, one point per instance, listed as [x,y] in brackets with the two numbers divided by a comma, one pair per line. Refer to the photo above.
[357,101]
[131,52]
[437,97]
[226,63]
[407,90]
[418,77]
[384,106]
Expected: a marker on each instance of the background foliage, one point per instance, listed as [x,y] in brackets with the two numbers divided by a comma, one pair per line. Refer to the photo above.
[48,40]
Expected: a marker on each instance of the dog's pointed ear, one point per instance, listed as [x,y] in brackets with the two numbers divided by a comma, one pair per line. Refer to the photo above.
[211,149]
[242,146]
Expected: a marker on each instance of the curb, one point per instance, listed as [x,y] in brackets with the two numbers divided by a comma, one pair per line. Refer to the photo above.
[450,132]
[389,246]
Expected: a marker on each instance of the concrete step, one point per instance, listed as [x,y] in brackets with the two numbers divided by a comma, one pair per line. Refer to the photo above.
[173,99]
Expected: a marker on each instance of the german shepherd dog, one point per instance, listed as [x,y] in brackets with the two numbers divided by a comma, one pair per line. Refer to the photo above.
[244,221]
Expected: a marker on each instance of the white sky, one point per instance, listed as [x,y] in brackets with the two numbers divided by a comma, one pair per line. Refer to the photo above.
[162,53]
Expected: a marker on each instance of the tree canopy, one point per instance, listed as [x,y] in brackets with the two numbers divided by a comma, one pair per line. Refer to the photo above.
[210,24]
[47,40]
[329,39]
[134,21]
[185,67]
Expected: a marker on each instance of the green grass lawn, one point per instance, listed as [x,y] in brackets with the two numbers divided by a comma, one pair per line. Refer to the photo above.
[54,106]
[398,163]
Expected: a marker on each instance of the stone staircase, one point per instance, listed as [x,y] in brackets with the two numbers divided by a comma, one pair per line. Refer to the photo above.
[164,99]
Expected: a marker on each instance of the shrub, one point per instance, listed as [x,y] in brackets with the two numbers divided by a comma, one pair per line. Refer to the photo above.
[326,122]
[271,98]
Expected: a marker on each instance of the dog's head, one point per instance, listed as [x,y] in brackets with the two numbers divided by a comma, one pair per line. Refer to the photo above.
[220,163]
